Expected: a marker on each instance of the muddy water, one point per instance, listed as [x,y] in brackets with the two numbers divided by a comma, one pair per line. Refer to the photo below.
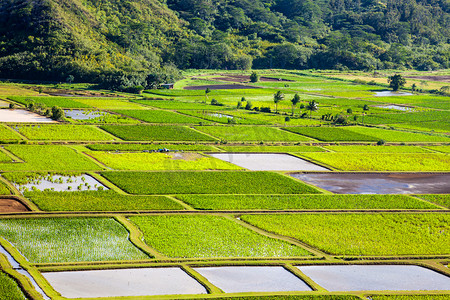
[393,183]
[122,283]
[253,279]
[78,114]
[11,205]
[268,162]
[22,116]
[376,278]
[391,93]
[67,183]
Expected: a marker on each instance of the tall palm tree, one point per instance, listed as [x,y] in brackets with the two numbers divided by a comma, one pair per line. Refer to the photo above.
[312,106]
[294,101]
[277,97]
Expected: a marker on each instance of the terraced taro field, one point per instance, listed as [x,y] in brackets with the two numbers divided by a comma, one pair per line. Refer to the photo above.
[226,195]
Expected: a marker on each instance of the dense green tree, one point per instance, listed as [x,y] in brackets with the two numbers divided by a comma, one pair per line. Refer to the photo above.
[312,106]
[295,101]
[277,97]
[396,82]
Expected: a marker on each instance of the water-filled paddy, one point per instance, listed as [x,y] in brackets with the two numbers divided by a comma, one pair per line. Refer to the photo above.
[376,278]
[268,162]
[122,283]
[253,279]
[64,183]
[393,183]
[22,116]
[396,107]
[78,114]
[391,93]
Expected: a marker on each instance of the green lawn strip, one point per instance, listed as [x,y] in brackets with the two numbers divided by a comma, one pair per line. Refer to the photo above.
[159,183]
[4,158]
[252,133]
[53,240]
[439,199]
[377,149]
[47,157]
[110,104]
[202,236]
[137,238]
[290,297]
[63,132]
[175,105]
[99,201]
[397,136]
[9,288]
[224,117]
[7,134]
[329,134]
[150,147]
[383,161]
[268,148]
[410,297]
[63,102]
[443,149]
[363,234]
[160,116]
[291,202]
[160,161]
[156,133]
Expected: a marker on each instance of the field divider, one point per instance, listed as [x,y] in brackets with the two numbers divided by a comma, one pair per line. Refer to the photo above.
[212,289]
[84,154]
[21,280]
[288,174]
[416,197]
[182,203]
[207,134]
[105,132]
[312,284]
[15,158]
[11,186]
[17,132]
[107,183]
[316,162]
[290,240]
[136,238]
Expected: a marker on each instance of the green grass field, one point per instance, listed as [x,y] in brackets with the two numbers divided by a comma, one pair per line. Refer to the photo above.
[51,240]
[383,161]
[283,202]
[156,133]
[110,104]
[176,105]
[410,297]
[377,149]
[6,134]
[160,116]
[252,133]
[149,147]
[63,133]
[354,234]
[47,158]
[209,236]
[161,161]
[99,201]
[154,183]
[9,290]
[440,199]
[328,134]
[269,148]
[4,190]
[63,102]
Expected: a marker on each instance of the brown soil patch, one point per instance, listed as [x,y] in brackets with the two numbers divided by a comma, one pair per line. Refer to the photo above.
[11,205]
[220,87]
[244,78]
[441,78]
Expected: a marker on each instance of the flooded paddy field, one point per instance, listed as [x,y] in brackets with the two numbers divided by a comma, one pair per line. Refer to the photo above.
[391,93]
[396,107]
[79,114]
[123,282]
[376,278]
[61,183]
[379,183]
[268,161]
[253,279]
[22,116]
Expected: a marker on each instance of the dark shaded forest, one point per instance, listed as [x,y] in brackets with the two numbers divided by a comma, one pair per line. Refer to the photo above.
[128,43]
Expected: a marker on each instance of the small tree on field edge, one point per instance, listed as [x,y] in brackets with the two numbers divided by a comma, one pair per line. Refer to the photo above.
[254,77]
[396,82]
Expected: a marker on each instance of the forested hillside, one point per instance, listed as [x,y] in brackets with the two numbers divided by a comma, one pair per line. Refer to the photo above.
[140,42]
